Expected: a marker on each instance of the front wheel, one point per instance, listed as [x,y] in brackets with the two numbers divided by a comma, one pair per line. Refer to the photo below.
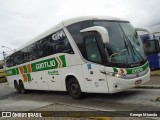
[74,88]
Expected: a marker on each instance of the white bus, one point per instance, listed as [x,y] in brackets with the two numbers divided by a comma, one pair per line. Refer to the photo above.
[81,55]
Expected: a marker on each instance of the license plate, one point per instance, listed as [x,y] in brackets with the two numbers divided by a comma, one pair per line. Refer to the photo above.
[138,82]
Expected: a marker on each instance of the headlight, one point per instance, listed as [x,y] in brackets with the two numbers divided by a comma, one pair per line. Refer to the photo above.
[118,75]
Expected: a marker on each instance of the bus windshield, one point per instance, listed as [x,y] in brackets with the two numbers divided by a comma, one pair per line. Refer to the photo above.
[125,46]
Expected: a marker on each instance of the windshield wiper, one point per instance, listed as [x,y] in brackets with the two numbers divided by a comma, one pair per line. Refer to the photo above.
[134,49]
[126,47]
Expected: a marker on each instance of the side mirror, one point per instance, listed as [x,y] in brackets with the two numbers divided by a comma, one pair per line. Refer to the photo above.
[101,30]
[146,30]
[151,46]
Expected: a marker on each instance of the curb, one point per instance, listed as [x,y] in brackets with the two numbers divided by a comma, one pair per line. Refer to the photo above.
[3,84]
[149,86]
[155,75]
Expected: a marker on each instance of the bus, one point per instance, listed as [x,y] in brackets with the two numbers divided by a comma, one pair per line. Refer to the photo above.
[89,54]
[2,70]
[153,58]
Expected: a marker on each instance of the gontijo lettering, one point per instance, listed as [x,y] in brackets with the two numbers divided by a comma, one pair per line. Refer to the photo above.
[48,64]
[137,70]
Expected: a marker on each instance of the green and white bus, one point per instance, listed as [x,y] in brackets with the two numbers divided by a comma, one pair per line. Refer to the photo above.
[81,55]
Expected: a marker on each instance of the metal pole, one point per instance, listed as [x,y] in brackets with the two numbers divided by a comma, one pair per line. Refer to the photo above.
[4,55]
[4,61]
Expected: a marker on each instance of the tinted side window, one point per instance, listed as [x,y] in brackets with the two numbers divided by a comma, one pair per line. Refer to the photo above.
[52,44]
[30,50]
[58,43]
[62,44]
[8,61]
[24,55]
[40,52]
[18,58]
[44,47]
[93,53]
[74,30]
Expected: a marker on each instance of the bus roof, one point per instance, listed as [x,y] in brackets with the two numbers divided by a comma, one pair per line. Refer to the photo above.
[66,23]
[84,18]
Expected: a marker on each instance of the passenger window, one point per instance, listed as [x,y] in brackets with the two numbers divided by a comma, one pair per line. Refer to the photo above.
[92,50]
[30,51]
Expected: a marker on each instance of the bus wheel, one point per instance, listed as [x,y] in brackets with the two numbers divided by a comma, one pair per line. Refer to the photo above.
[16,86]
[22,89]
[74,88]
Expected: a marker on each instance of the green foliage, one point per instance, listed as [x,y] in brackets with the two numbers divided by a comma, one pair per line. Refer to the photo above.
[3,76]
[2,80]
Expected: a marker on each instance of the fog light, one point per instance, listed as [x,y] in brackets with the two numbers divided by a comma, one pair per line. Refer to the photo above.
[115,85]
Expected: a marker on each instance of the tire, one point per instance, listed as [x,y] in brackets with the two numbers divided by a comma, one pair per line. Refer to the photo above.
[16,86]
[74,88]
[22,89]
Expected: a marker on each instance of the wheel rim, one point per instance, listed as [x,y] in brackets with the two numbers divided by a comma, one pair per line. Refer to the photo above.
[22,88]
[74,88]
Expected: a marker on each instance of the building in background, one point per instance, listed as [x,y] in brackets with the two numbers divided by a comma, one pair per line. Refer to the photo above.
[2,69]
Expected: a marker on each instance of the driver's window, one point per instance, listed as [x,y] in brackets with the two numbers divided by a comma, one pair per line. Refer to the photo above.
[92,50]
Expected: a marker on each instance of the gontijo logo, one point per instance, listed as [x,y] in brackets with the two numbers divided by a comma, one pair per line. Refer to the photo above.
[137,70]
[25,70]
[51,63]
[131,70]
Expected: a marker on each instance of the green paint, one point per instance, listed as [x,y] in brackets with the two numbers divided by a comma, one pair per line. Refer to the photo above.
[62,57]
[12,72]
[115,70]
[137,69]
[44,65]
[17,70]
[133,70]
[29,77]
[53,72]
[47,64]
[25,69]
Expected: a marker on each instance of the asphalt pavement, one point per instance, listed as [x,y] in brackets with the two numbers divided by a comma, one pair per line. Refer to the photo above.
[146,99]
[154,82]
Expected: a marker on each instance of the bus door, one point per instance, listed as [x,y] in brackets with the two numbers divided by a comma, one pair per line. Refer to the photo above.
[93,71]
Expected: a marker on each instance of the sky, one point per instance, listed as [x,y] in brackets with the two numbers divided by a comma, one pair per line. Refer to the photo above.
[22,20]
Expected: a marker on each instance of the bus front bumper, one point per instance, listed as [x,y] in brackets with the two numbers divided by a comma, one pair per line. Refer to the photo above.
[118,84]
